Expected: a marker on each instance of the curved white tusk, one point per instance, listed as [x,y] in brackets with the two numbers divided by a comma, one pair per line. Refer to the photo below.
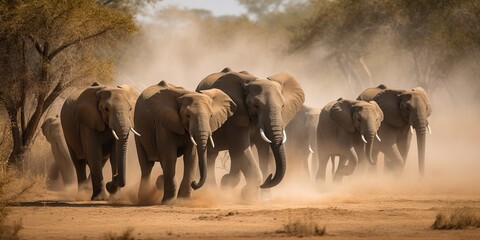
[135,132]
[211,141]
[363,139]
[310,149]
[378,137]
[411,129]
[115,135]
[193,140]
[429,129]
[262,133]
[284,136]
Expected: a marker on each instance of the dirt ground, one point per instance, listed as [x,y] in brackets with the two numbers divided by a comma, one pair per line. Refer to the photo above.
[355,215]
[378,207]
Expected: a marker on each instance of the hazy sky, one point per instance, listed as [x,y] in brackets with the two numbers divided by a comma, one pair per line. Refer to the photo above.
[217,7]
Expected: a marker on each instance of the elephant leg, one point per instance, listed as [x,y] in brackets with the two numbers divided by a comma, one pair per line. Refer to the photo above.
[231,179]
[322,166]
[250,169]
[53,172]
[190,160]
[111,186]
[211,179]
[145,169]
[403,143]
[352,157]
[393,159]
[64,165]
[168,166]
[265,159]
[93,152]
[338,175]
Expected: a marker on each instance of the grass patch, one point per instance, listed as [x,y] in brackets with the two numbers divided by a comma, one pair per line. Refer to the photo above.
[457,219]
[126,235]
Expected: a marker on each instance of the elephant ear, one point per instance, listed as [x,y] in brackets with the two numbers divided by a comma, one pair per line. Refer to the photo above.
[427,100]
[341,113]
[233,84]
[165,107]
[87,112]
[222,107]
[389,101]
[292,93]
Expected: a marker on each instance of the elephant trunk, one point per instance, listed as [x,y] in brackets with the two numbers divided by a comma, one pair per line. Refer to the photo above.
[121,125]
[275,131]
[201,132]
[370,137]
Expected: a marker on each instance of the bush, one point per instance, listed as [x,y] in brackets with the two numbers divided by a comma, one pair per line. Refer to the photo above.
[457,219]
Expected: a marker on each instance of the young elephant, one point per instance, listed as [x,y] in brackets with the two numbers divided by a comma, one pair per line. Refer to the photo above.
[52,129]
[347,128]
[173,122]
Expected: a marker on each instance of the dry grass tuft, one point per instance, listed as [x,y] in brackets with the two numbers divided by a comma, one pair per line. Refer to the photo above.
[457,219]
[303,228]
[126,235]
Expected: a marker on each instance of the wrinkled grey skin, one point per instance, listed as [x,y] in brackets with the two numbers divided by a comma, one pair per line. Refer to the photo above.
[88,117]
[261,103]
[339,133]
[52,130]
[172,122]
[402,109]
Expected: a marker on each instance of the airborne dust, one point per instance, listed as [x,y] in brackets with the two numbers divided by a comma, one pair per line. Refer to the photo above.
[182,51]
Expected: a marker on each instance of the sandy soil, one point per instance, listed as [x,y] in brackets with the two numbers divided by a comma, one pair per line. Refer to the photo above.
[345,216]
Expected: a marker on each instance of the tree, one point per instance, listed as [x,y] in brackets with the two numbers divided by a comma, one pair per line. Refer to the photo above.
[347,28]
[48,46]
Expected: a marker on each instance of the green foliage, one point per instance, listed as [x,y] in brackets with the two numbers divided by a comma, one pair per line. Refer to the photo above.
[457,219]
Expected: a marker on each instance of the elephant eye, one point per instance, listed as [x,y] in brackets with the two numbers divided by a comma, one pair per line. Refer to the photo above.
[106,109]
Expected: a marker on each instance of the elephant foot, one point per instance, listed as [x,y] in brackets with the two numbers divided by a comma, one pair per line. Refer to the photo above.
[250,195]
[265,195]
[185,192]
[337,178]
[160,183]
[230,181]
[99,196]
[111,187]
[168,200]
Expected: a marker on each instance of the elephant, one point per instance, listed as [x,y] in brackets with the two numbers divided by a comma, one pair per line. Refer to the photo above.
[347,128]
[405,111]
[52,130]
[96,122]
[173,122]
[264,107]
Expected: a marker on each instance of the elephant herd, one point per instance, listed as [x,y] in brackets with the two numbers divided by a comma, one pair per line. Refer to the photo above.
[234,111]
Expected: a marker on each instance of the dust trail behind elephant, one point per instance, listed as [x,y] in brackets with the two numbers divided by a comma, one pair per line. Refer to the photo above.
[181,50]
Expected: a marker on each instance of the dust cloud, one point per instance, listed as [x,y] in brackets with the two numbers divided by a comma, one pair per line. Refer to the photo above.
[182,51]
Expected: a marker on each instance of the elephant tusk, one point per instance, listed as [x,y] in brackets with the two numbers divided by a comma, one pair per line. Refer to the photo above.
[378,137]
[363,139]
[310,149]
[115,135]
[411,129]
[429,129]
[135,132]
[211,141]
[284,136]
[193,140]
[262,133]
